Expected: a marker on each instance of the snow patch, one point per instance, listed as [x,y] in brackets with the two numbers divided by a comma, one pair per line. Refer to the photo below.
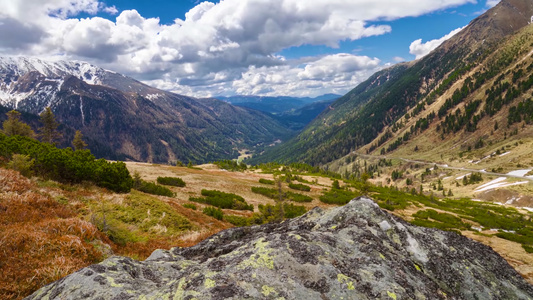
[499,184]
[520,173]
[504,154]
[153,97]
[461,177]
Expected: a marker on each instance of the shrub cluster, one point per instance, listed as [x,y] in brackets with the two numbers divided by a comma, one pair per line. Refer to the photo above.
[273,194]
[223,200]
[299,187]
[67,165]
[173,181]
[231,165]
[336,196]
[154,189]
[213,212]
[266,181]
[271,212]
[190,206]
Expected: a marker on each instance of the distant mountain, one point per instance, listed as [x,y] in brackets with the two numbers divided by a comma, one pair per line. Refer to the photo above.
[297,119]
[132,119]
[275,105]
[471,79]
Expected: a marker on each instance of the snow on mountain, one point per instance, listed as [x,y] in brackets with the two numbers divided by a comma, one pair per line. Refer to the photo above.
[23,78]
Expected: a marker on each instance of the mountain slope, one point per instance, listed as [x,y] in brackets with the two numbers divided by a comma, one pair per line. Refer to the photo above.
[132,119]
[377,105]
[357,251]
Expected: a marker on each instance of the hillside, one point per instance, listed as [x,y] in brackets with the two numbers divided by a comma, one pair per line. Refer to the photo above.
[372,113]
[132,120]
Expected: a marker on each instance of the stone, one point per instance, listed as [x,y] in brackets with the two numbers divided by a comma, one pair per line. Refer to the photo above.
[357,251]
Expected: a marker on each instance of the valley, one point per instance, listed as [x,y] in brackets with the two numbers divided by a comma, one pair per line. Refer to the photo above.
[415,184]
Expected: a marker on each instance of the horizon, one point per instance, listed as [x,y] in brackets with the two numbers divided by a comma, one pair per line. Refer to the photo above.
[228,48]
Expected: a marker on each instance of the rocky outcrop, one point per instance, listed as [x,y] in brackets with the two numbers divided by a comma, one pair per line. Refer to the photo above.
[357,251]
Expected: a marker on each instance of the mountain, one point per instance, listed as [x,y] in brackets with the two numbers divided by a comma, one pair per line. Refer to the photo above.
[357,251]
[276,105]
[409,98]
[297,119]
[132,119]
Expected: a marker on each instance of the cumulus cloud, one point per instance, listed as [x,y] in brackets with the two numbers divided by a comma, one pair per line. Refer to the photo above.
[492,3]
[216,47]
[420,49]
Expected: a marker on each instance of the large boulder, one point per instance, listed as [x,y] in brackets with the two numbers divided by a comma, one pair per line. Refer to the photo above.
[357,251]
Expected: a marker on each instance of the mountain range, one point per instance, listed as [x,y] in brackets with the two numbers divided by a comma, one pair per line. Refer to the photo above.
[451,95]
[470,92]
[131,120]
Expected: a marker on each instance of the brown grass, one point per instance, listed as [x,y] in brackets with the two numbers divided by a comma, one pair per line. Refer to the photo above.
[40,240]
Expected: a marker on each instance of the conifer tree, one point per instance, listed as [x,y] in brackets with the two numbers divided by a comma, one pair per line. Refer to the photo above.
[14,126]
[78,142]
[48,131]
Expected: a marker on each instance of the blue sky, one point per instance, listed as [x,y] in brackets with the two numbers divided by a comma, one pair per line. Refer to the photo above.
[259,47]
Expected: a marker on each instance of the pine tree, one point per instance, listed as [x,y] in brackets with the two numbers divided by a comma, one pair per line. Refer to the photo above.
[48,131]
[78,142]
[13,125]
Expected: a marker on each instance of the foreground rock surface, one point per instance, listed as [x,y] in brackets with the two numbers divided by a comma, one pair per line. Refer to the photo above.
[357,251]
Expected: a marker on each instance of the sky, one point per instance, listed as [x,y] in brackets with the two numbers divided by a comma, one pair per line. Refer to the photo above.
[297,48]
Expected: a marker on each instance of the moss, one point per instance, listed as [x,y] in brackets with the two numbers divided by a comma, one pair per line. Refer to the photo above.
[209,283]
[341,278]
[392,295]
[112,283]
[262,257]
[418,268]
[267,290]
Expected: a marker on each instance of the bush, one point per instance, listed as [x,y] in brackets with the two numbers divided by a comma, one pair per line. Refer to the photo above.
[231,165]
[223,200]
[155,189]
[214,212]
[173,181]
[238,220]
[273,194]
[21,163]
[299,187]
[190,206]
[339,197]
[271,212]
[67,165]
[266,181]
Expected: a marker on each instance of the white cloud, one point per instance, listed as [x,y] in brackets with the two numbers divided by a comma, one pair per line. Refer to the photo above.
[492,3]
[420,49]
[398,59]
[217,45]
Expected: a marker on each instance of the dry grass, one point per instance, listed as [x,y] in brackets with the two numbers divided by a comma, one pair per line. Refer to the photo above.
[212,178]
[40,240]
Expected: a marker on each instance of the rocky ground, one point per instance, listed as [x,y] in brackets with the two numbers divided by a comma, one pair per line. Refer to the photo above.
[357,251]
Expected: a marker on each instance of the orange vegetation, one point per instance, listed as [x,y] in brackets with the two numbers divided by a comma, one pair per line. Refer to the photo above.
[40,240]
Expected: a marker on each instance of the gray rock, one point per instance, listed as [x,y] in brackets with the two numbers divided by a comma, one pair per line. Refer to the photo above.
[357,251]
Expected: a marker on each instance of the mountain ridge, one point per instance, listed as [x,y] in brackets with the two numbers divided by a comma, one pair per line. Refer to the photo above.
[378,104]
[136,121]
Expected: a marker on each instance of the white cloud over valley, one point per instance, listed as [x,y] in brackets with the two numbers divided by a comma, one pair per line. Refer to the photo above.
[224,48]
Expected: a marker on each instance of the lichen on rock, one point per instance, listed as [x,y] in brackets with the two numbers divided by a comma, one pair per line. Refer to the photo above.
[357,251]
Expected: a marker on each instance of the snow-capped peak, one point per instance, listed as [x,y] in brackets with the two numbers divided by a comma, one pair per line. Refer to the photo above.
[20,66]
